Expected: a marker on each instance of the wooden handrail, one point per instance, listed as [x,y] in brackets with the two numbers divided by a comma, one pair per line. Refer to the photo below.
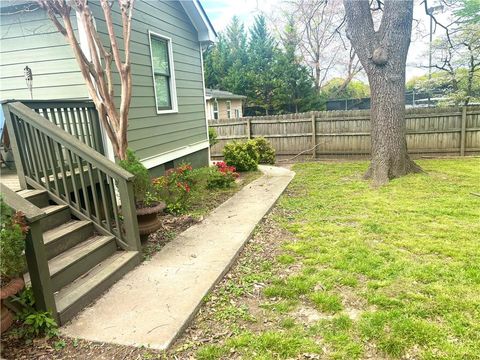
[69,141]
[15,201]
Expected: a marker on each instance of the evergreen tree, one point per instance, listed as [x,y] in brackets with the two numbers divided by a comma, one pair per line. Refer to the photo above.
[294,91]
[261,76]
[236,40]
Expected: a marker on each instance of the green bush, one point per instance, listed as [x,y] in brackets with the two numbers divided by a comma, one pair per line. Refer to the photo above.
[35,323]
[12,242]
[243,155]
[265,150]
[212,136]
[141,183]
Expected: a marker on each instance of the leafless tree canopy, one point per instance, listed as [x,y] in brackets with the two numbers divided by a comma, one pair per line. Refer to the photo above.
[96,65]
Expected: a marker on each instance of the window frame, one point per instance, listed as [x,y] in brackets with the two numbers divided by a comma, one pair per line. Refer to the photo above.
[172,84]
[228,104]
[237,113]
[215,102]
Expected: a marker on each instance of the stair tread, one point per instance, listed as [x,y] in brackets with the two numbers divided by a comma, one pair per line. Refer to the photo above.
[82,285]
[50,209]
[70,256]
[62,230]
[30,192]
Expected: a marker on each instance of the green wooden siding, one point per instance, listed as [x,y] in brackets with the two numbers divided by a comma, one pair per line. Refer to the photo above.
[30,39]
[149,133]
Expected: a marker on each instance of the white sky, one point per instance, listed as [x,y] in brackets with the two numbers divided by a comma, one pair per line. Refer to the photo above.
[220,13]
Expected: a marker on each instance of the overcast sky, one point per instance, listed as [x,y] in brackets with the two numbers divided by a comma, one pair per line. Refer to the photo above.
[220,13]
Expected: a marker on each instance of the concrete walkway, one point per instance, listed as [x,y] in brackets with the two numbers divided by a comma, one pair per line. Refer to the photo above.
[154,303]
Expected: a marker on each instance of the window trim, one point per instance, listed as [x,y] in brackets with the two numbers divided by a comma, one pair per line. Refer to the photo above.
[215,102]
[228,104]
[173,86]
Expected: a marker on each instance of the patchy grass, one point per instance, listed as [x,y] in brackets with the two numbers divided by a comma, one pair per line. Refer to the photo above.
[341,270]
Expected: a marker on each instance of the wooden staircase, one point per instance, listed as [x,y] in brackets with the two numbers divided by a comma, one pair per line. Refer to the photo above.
[82,263]
[79,205]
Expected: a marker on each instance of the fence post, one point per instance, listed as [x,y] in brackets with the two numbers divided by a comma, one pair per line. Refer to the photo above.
[463,131]
[249,128]
[314,136]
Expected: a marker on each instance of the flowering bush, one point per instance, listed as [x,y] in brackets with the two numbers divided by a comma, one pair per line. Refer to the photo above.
[221,176]
[174,188]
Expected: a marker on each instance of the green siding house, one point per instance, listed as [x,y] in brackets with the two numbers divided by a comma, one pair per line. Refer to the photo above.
[167,122]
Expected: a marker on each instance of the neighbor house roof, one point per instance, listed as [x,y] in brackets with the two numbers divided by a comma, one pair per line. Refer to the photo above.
[220,94]
[193,8]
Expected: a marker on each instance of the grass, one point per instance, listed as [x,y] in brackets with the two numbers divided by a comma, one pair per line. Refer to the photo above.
[394,272]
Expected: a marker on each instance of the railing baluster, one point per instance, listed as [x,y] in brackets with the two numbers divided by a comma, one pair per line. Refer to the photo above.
[84,187]
[63,171]
[93,186]
[111,185]
[87,128]
[78,114]
[104,200]
[43,158]
[97,132]
[31,146]
[53,162]
[74,181]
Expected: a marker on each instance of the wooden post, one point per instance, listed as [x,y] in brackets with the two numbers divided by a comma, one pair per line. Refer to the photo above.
[249,128]
[38,269]
[463,130]
[14,145]
[314,136]
[125,188]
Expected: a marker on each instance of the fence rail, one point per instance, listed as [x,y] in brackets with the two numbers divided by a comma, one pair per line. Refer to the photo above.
[450,130]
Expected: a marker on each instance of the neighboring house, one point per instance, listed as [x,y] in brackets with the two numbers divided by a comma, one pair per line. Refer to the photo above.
[79,204]
[223,104]
[167,120]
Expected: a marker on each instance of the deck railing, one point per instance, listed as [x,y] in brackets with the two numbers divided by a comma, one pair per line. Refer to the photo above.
[34,250]
[77,117]
[48,157]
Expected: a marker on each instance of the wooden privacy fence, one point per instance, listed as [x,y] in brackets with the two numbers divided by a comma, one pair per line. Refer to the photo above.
[448,130]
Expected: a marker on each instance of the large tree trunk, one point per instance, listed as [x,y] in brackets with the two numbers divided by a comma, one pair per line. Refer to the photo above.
[383,55]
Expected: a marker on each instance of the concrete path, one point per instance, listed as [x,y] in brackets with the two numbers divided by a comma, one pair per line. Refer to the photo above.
[154,303]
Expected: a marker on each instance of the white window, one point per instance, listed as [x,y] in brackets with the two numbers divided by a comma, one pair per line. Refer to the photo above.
[163,73]
[237,113]
[229,109]
[215,109]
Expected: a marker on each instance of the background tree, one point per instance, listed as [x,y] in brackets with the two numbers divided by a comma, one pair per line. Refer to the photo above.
[295,91]
[383,54]
[261,55]
[97,72]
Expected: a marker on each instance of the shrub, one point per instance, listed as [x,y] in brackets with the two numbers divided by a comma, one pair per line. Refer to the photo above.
[265,150]
[12,242]
[221,176]
[35,322]
[212,136]
[141,183]
[174,188]
[242,155]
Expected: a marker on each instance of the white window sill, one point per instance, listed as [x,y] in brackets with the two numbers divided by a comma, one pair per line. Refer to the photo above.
[161,112]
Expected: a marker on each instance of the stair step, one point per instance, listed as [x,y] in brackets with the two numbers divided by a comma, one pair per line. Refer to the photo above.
[56,216]
[38,198]
[74,262]
[75,296]
[65,236]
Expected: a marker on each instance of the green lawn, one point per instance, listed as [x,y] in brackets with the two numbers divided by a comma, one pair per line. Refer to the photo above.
[392,272]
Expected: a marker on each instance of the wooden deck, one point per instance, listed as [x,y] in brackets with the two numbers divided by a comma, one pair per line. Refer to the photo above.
[9,178]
